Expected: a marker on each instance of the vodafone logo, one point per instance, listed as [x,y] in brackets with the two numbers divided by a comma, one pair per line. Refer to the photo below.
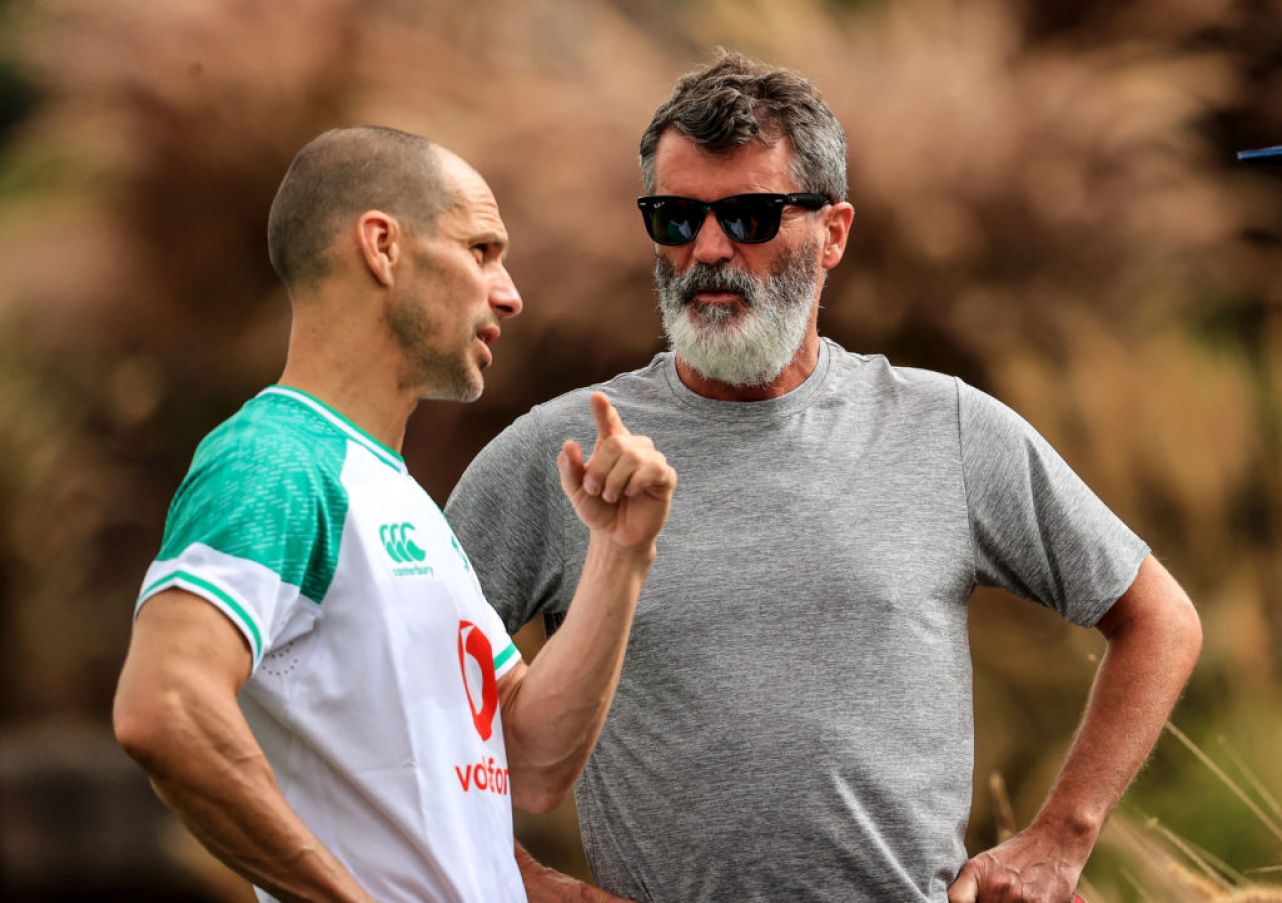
[476,662]
[483,776]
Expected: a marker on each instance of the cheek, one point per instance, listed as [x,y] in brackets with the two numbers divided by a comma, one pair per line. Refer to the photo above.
[758,259]
[674,259]
[474,289]
[457,294]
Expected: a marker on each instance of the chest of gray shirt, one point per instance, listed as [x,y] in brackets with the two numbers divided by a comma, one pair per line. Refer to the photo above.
[794,715]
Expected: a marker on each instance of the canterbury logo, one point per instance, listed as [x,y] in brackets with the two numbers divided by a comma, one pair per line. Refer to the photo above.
[396,539]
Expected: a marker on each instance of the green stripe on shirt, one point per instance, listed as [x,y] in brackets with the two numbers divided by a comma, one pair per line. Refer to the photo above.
[503,656]
[197,582]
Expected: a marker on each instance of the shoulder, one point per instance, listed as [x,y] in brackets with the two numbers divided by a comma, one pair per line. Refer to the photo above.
[269,453]
[875,376]
[271,434]
[981,413]
[569,413]
[567,416]
[264,486]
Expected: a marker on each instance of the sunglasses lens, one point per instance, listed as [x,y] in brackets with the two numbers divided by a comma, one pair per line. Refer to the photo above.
[749,220]
[673,221]
[745,218]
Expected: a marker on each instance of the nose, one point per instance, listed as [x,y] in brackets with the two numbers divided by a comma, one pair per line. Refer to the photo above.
[504,298]
[711,245]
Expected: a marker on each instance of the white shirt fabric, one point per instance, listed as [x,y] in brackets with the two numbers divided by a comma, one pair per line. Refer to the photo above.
[375,656]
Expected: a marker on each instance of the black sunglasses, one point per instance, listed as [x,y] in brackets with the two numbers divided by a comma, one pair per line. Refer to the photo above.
[747,218]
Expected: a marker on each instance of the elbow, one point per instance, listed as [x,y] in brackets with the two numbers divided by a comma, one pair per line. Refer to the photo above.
[1190,630]
[1177,632]
[134,734]
[140,725]
[539,803]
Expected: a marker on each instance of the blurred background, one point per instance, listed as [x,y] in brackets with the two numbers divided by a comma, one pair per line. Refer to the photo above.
[1046,205]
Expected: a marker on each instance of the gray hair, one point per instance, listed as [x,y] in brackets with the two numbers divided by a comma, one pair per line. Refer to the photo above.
[736,100]
[338,176]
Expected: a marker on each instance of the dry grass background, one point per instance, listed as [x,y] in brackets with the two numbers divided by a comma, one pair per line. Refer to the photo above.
[1046,205]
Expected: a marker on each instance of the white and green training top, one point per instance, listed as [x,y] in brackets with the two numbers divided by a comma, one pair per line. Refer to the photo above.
[375,655]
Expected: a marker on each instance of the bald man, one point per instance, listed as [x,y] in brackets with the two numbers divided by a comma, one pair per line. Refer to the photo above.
[315,682]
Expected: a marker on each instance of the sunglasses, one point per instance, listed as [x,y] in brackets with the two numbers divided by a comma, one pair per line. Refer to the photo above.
[746,218]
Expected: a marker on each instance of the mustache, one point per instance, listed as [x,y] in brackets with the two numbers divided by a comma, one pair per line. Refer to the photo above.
[702,277]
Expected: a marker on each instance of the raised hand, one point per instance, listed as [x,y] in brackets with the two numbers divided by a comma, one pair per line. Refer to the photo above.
[624,490]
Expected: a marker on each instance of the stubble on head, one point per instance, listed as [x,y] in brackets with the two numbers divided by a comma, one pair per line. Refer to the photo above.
[746,344]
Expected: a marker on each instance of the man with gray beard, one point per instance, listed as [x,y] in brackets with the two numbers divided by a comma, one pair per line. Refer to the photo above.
[747,350]
[793,721]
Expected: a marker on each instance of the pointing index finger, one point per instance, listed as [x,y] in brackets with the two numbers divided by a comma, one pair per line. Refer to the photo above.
[607,418]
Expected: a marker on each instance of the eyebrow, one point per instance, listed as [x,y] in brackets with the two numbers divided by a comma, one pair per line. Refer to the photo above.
[492,238]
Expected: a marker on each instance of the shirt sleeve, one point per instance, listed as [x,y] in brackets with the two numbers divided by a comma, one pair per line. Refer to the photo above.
[1038,530]
[255,532]
[507,512]
[504,652]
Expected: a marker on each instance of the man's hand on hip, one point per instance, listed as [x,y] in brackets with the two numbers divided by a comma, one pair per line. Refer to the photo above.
[1031,867]
[623,492]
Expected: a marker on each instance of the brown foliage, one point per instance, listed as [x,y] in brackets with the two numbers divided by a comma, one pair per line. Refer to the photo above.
[1046,205]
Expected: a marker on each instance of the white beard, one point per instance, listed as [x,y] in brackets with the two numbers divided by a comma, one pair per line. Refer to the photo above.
[746,344]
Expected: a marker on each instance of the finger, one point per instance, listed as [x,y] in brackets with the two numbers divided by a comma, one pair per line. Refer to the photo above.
[608,422]
[637,455]
[654,477]
[966,888]
[569,463]
[604,459]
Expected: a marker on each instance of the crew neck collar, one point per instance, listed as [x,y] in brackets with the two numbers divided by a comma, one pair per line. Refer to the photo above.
[766,409]
[380,450]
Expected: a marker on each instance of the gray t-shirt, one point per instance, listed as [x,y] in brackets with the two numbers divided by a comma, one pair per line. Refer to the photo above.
[794,717]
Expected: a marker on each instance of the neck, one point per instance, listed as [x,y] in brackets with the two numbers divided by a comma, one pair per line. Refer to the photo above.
[351,371]
[793,375]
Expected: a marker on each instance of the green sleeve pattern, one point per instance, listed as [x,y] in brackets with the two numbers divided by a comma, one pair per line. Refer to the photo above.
[267,495]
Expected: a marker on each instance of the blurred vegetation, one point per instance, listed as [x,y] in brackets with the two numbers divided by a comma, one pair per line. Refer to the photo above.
[1047,205]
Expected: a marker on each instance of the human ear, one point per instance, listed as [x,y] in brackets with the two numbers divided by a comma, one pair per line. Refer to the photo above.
[378,236]
[837,222]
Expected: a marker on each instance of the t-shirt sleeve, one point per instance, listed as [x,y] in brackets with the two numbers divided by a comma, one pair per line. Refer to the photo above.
[1038,530]
[504,651]
[506,510]
[256,533]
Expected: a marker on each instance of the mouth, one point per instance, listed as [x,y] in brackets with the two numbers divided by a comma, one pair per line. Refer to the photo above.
[717,297]
[487,336]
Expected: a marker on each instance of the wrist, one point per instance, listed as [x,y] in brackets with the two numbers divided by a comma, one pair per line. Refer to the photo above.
[605,552]
[1073,830]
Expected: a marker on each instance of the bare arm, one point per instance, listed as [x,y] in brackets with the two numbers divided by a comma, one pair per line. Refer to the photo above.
[553,710]
[176,714]
[1154,638]
[545,885]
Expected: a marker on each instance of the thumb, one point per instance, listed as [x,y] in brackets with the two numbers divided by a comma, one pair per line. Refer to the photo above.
[966,888]
[569,464]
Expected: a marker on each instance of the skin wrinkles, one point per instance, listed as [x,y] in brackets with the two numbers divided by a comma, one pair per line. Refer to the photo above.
[747,343]
[448,313]
[810,242]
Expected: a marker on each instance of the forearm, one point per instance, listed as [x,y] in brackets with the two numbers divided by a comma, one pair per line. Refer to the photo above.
[545,885]
[205,764]
[1153,642]
[552,718]
[1150,656]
